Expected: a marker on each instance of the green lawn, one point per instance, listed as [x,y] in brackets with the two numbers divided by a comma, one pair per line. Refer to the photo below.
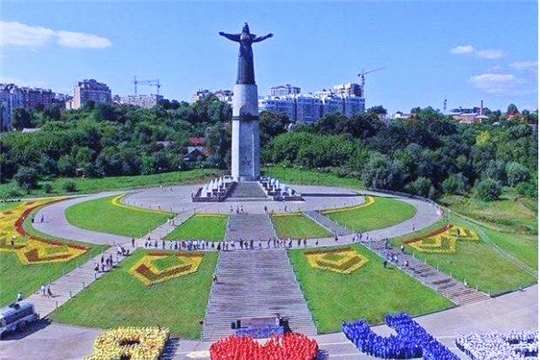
[310,177]
[477,262]
[103,216]
[369,293]
[210,227]
[383,213]
[511,213]
[523,247]
[92,185]
[298,226]
[29,278]
[118,298]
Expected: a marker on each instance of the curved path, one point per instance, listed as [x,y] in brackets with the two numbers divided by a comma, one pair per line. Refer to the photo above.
[55,223]
[54,340]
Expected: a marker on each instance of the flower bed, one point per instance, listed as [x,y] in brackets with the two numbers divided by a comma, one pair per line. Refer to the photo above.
[443,240]
[341,260]
[33,250]
[156,267]
[291,346]
[134,343]
[412,340]
[370,200]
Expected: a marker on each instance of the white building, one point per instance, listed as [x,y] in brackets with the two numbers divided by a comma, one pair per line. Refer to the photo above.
[89,90]
[144,101]
[279,105]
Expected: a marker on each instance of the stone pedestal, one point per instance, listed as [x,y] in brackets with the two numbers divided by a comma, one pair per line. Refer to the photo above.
[245,163]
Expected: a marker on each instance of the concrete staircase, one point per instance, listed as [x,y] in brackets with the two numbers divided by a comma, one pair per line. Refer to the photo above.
[250,227]
[327,223]
[444,284]
[258,284]
[248,191]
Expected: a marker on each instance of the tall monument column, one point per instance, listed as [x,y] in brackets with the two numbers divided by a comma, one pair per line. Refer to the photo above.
[245,163]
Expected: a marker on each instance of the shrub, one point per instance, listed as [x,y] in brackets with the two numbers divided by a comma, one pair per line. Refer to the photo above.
[26,177]
[527,189]
[69,186]
[47,187]
[487,190]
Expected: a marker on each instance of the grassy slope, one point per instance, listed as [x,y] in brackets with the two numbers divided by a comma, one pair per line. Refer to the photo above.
[368,293]
[383,213]
[298,226]
[475,261]
[103,216]
[511,214]
[200,227]
[118,298]
[89,185]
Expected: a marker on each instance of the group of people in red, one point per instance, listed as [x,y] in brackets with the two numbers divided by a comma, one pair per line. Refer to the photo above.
[291,346]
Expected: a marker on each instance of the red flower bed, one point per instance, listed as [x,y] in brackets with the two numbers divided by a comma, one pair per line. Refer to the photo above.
[290,346]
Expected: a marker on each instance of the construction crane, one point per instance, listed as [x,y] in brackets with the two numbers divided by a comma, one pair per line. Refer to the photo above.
[145,82]
[363,73]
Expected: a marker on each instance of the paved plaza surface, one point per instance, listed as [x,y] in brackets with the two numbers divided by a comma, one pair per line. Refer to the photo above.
[56,341]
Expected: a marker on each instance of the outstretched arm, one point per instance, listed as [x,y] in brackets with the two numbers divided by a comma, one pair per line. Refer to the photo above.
[261,38]
[233,37]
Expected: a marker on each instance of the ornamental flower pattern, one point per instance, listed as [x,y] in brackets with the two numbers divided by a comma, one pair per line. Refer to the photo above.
[135,343]
[342,260]
[443,240]
[160,266]
[30,249]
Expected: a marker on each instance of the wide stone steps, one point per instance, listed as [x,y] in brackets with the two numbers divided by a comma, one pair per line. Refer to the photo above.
[444,284]
[250,227]
[248,190]
[258,283]
[327,223]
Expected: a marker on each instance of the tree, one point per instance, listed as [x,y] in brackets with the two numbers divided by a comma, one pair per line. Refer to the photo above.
[26,177]
[20,119]
[515,173]
[487,190]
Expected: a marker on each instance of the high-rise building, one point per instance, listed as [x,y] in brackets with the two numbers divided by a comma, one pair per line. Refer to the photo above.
[90,90]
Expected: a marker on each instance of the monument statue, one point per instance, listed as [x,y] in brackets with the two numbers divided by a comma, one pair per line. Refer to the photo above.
[246,74]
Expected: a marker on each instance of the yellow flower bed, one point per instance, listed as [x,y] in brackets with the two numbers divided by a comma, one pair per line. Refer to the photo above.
[135,343]
[32,250]
[157,267]
[8,218]
[342,260]
[117,202]
[444,240]
[370,200]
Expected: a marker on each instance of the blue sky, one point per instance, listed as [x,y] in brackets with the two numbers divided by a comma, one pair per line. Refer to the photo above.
[465,51]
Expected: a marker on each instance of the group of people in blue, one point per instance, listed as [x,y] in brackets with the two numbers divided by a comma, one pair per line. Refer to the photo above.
[411,341]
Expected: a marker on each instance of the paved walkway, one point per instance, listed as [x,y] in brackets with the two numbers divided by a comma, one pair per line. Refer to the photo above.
[518,310]
[523,316]
[56,224]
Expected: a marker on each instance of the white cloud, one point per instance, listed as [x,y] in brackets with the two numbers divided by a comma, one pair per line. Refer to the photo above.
[81,40]
[465,49]
[15,33]
[481,53]
[525,65]
[489,53]
[497,84]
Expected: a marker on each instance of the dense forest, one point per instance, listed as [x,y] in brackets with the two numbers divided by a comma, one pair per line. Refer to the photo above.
[427,154]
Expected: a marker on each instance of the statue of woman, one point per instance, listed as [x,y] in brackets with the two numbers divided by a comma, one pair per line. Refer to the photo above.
[246,73]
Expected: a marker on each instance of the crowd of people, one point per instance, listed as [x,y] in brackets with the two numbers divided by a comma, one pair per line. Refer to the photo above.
[291,346]
[496,345]
[411,341]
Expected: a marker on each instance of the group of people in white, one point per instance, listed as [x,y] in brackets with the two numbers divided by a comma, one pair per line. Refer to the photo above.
[500,346]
